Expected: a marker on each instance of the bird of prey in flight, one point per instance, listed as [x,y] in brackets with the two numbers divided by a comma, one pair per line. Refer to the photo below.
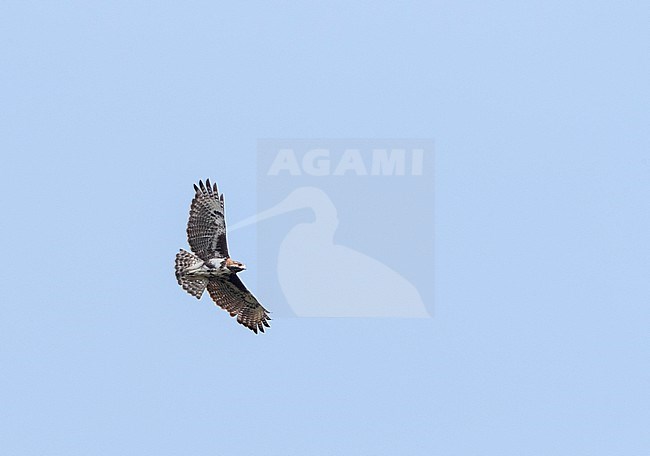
[210,265]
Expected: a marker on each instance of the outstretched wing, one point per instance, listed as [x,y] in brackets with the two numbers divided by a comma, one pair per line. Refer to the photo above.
[206,229]
[231,294]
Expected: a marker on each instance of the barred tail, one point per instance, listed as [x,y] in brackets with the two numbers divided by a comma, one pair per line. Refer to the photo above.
[193,285]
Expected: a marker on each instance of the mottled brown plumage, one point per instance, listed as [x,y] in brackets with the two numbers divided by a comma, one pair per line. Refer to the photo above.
[206,228]
[210,266]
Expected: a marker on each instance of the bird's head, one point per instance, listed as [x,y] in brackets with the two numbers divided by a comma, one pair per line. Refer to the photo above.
[235,266]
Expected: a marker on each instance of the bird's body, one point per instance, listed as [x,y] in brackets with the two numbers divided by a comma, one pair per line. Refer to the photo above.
[208,269]
[209,265]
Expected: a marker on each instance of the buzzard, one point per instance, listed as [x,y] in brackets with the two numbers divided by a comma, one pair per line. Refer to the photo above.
[210,266]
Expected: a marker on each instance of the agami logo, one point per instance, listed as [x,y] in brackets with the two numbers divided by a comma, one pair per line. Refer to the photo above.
[318,162]
[345,227]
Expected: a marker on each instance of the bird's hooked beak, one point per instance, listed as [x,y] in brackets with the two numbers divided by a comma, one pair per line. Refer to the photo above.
[237,267]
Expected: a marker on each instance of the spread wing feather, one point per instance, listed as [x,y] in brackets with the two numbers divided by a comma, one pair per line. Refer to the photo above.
[231,294]
[206,228]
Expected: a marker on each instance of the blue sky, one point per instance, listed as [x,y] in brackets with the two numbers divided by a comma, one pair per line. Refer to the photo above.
[539,344]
